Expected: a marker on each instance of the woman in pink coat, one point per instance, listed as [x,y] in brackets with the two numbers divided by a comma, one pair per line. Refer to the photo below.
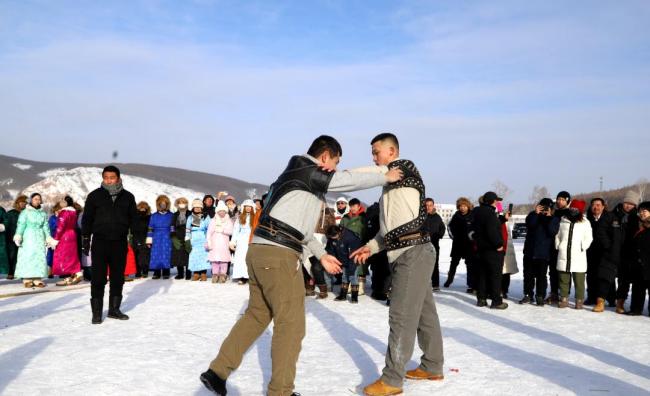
[66,258]
[218,241]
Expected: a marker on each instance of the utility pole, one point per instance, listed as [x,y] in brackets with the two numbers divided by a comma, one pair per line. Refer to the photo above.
[601,184]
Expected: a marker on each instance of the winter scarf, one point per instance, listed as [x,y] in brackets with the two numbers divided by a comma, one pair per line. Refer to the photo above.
[573,215]
[113,189]
[182,217]
[220,222]
[196,220]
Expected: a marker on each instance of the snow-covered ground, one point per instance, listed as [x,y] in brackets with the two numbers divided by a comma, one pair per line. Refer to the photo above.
[48,346]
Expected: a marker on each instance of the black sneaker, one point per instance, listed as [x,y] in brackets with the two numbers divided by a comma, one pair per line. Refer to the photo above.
[526,300]
[539,300]
[214,384]
[481,303]
[500,306]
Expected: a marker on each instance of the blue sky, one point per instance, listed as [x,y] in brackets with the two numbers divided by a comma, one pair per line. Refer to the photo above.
[531,93]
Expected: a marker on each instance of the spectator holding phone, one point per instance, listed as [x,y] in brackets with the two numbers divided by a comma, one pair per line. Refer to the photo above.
[542,227]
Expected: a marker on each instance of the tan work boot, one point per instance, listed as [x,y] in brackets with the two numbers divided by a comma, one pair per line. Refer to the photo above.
[600,305]
[419,374]
[620,306]
[204,277]
[564,302]
[195,277]
[380,388]
[579,304]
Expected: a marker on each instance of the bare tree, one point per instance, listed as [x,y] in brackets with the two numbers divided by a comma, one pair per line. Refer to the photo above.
[642,185]
[538,193]
[251,193]
[501,189]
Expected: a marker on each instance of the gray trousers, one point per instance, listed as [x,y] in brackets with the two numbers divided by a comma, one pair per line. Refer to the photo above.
[412,312]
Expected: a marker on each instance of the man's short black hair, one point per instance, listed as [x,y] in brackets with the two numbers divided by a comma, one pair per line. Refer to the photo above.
[354,201]
[386,136]
[325,143]
[111,169]
[430,200]
[602,201]
[333,231]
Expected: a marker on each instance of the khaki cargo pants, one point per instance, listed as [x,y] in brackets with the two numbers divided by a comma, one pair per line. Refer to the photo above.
[277,292]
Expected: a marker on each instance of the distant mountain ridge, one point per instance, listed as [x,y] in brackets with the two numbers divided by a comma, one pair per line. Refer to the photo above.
[18,174]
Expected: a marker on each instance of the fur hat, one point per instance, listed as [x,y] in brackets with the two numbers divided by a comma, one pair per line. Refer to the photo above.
[248,202]
[20,199]
[179,201]
[163,199]
[144,206]
[230,198]
[632,197]
[221,206]
[342,199]
[464,201]
[197,203]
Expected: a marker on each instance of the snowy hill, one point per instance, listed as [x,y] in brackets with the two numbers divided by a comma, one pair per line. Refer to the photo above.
[145,181]
[78,182]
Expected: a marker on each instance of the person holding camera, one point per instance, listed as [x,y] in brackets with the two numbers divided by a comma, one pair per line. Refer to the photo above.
[541,227]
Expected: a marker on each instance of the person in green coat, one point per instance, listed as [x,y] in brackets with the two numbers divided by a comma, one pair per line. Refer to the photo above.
[10,230]
[32,238]
[4,258]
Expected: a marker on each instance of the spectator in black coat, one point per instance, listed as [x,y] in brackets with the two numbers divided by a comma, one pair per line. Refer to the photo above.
[435,227]
[603,256]
[139,239]
[461,247]
[641,268]
[486,232]
[109,214]
[541,227]
[626,214]
[380,271]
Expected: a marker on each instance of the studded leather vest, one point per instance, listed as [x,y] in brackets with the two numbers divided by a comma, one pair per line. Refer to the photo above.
[301,174]
[411,233]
